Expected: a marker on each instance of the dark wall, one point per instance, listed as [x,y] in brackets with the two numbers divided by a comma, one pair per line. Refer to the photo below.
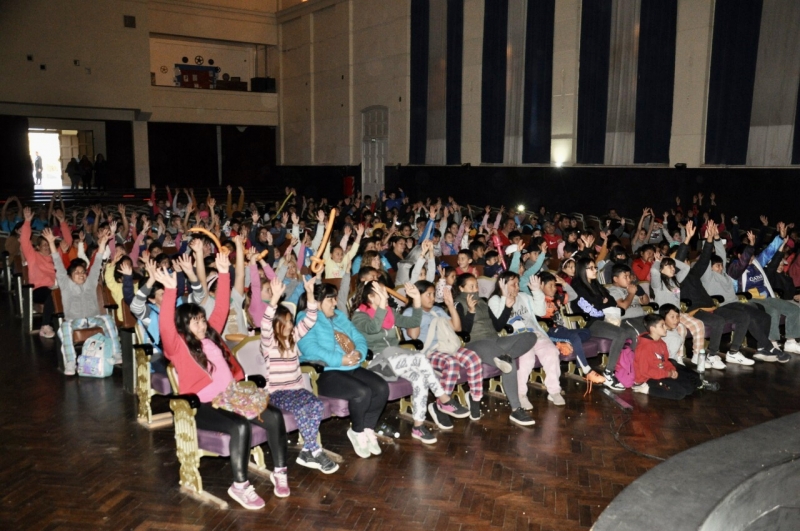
[119,154]
[317,181]
[182,154]
[745,192]
[248,157]
[17,174]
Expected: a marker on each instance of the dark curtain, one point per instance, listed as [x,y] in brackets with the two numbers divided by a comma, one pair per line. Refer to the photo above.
[734,49]
[656,84]
[119,154]
[455,60]
[796,139]
[17,174]
[182,154]
[536,121]
[420,13]
[248,156]
[593,79]
[493,84]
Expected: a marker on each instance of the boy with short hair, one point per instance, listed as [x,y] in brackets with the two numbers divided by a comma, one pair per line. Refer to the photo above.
[655,374]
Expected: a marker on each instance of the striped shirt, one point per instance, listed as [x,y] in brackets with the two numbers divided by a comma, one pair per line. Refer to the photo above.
[283,371]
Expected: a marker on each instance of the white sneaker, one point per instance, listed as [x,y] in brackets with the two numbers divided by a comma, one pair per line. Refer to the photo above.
[372,442]
[738,358]
[679,361]
[69,370]
[360,443]
[715,362]
[791,346]
[556,399]
[642,388]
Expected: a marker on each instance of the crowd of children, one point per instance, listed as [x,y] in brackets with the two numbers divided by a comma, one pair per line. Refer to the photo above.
[476,290]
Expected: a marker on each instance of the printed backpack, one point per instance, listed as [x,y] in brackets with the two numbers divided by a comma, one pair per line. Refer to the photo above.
[97,357]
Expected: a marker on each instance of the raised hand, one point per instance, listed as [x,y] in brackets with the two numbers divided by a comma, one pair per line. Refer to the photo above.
[503,287]
[690,231]
[223,262]
[27,213]
[127,270]
[183,263]
[278,289]
[412,291]
[309,285]
[764,220]
[167,279]
[535,283]
[751,238]
[196,245]
[472,303]
[49,236]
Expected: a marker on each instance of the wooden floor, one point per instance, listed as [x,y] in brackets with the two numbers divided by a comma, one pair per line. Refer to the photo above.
[73,457]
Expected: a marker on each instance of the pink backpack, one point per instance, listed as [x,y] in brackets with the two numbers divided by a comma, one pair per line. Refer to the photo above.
[624,369]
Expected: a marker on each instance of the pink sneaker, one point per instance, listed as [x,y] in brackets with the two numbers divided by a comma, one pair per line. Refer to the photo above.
[281,482]
[246,496]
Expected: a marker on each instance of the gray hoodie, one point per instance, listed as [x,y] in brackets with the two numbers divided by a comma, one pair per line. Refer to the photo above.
[719,283]
[80,301]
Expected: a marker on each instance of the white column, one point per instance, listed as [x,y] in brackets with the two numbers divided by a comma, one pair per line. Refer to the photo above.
[566,42]
[141,155]
[692,65]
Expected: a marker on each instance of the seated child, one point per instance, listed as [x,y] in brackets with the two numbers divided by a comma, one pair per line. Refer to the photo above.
[655,373]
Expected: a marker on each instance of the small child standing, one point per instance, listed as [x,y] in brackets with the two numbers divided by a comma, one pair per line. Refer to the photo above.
[279,339]
[655,373]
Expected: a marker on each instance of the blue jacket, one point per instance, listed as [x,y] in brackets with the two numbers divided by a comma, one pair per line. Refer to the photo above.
[319,344]
[746,275]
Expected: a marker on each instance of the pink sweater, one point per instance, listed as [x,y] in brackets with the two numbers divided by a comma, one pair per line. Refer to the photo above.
[283,369]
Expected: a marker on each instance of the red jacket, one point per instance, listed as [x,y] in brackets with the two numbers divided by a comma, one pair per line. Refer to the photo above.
[642,269]
[651,360]
[552,240]
[191,376]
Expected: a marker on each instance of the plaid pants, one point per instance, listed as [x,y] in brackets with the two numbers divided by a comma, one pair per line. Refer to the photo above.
[697,329]
[106,322]
[450,367]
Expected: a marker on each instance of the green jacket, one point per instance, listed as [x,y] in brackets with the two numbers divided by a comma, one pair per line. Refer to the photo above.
[379,338]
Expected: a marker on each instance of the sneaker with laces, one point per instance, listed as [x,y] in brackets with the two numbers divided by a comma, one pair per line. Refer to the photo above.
[423,434]
[360,443]
[453,408]
[521,417]
[791,346]
[281,482]
[503,363]
[440,418]
[474,408]
[47,332]
[714,362]
[556,399]
[783,357]
[770,355]
[642,388]
[319,462]
[612,382]
[246,496]
[372,442]
[709,386]
[738,358]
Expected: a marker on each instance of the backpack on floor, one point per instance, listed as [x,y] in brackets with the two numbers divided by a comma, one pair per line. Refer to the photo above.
[97,357]
[624,369]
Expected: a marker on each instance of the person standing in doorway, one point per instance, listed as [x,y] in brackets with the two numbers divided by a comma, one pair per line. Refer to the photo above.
[37,165]
[74,172]
[86,168]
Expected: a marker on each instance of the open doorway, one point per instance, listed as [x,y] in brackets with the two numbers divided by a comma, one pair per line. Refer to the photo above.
[46,145]
[57,147]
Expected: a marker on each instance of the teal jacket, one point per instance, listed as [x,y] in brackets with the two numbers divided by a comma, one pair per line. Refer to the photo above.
[319,344]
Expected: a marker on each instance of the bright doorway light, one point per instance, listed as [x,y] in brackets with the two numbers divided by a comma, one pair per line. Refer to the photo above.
[49,148]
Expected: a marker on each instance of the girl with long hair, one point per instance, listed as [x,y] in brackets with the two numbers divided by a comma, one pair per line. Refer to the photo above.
[206,368]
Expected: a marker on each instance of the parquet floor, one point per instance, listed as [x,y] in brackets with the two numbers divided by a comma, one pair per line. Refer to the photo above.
[72,457]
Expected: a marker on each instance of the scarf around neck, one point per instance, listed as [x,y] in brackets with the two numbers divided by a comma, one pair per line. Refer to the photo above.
[388,321]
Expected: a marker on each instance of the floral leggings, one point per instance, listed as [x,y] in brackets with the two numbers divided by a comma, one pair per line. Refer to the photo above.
[307,410]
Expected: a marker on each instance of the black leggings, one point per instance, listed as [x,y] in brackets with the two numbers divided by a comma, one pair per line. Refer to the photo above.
[366,394]
[238,427]
[44,296]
